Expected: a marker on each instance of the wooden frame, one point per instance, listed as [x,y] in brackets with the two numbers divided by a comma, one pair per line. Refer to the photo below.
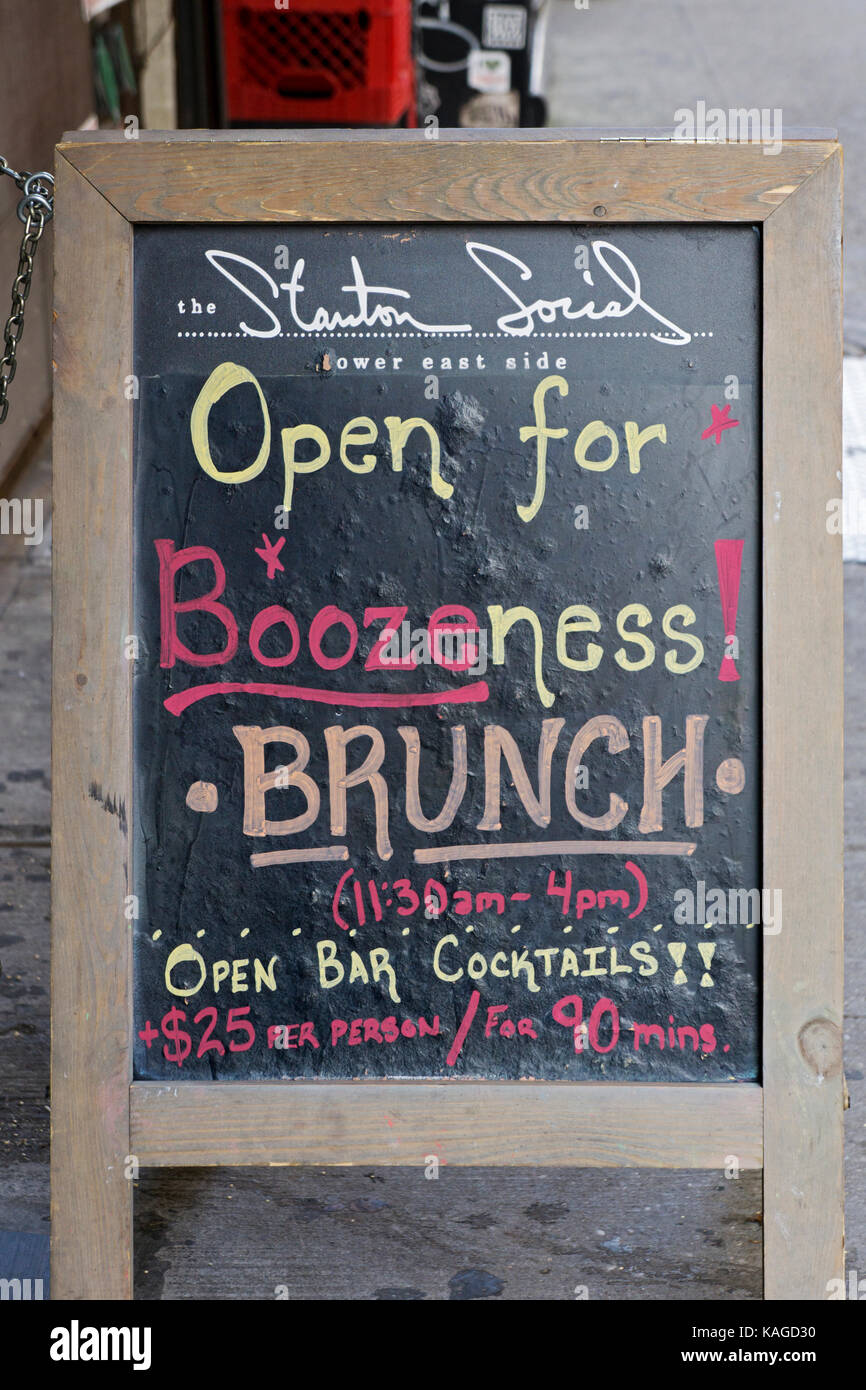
[791,1124]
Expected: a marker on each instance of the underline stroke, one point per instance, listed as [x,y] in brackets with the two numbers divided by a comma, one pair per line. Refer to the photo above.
[475,693]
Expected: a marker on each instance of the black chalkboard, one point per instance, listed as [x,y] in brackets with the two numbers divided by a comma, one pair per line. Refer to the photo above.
[499,958]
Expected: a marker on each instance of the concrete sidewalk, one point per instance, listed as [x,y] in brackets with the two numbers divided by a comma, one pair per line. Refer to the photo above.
[636,62]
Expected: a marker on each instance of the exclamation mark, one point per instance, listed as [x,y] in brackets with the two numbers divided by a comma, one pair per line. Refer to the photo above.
[677,950]
[729,559]
[707,950]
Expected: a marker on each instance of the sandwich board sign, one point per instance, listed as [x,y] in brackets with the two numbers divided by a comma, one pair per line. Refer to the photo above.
[446,667]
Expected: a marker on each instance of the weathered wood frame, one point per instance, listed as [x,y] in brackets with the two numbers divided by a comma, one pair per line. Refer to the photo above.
[791,1124]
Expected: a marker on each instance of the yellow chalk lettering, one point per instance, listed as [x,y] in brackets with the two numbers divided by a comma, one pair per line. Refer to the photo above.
[635,440]
[263,976]
[362,430]
[541,433]
[331,971]
[595,430]
[180,954]
[399,431]
[222,379]
[221,970]
[501,622]
[643,617]
[672,661]
[437,966]
[292,465]
[578,618]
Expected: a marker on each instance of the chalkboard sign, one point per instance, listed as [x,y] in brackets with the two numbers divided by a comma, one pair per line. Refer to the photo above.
[455,532]
[446,665]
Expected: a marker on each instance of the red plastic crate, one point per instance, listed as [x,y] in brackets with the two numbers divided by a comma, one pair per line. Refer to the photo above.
[319,62]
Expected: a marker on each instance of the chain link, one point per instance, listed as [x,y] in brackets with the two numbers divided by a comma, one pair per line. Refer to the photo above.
[35,209]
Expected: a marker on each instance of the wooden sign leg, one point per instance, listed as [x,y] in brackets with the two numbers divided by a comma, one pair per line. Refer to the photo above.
[91,1195]
[802,970]
[92,906]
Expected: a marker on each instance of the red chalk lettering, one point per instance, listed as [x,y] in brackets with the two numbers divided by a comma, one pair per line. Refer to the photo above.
[308,1035]
[325,619]
[554,891]
[262,623]
[492,1023]
[394,617]
[236,1024]
[171,646]
[453,645]
[601,1008]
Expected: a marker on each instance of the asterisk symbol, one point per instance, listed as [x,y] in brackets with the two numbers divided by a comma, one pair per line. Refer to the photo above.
[270,554]
[720,422]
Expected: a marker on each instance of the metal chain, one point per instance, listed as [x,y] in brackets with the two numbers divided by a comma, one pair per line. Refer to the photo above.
[35,208]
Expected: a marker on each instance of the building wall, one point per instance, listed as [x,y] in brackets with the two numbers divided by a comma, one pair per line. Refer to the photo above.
[45,89]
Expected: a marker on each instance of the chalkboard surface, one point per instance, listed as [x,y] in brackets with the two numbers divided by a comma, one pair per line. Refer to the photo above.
[447,652]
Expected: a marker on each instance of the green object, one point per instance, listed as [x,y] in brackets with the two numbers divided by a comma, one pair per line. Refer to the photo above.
[123,69]
[105,79]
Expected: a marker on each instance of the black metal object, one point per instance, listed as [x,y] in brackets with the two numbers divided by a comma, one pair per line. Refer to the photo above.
[200,103]
[481,64]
